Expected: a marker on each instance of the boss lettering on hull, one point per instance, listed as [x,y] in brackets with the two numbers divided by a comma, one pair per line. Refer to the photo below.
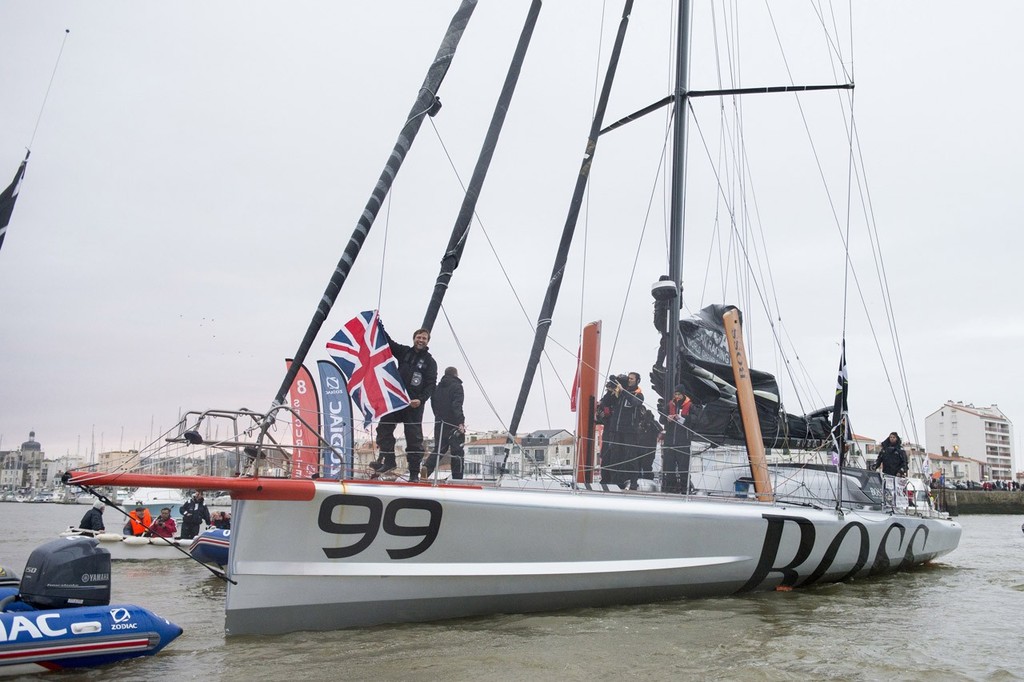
[797,573]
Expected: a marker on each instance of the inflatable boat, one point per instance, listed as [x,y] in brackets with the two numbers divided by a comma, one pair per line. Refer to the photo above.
[59,616]
[211,546]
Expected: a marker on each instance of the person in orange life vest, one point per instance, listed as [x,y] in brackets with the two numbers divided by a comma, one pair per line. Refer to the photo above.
[164,526]
[138,521]
[675,455]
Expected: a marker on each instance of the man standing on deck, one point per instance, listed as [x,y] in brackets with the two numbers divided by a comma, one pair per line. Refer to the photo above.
[609,439]
[892,459]
[449,423]
[626,420]
[418,370]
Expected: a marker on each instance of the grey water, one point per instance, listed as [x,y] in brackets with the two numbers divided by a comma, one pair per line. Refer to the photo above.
[959,618]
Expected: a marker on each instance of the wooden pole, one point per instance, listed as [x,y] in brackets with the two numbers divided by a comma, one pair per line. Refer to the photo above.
[590,354]
[748,409]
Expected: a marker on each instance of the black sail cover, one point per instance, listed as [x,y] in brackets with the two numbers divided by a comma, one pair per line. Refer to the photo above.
[705,370]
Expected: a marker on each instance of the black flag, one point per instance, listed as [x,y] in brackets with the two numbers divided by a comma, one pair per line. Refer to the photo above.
[841,413]
[7,199]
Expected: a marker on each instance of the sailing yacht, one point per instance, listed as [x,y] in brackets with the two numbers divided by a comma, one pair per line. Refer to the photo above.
[313,553]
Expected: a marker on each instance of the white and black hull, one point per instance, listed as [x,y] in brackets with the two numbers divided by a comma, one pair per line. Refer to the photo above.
[360,554]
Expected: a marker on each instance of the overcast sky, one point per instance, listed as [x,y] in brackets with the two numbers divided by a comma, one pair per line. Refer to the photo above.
[199,167]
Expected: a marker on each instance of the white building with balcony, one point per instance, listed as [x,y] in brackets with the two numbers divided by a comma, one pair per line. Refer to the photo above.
[981,433]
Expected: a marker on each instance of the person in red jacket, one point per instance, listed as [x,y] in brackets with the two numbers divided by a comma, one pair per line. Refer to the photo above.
[675,455]
[164,526]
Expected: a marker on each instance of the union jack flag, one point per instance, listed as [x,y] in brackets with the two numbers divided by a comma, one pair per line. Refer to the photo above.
[361,351]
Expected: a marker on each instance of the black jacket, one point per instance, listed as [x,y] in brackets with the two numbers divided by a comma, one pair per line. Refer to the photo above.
[606,409]
[892,459]
[194,511]
[417,369]
[649,429]
[628,411]
[93,520]
[447,401]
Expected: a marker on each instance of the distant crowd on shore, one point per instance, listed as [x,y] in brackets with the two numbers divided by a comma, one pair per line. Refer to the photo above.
[1005,486]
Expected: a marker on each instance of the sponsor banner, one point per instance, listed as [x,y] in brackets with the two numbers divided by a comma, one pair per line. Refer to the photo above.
[337,429]
[304,401]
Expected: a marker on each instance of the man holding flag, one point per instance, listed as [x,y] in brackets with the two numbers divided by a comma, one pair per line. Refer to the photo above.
[418,370]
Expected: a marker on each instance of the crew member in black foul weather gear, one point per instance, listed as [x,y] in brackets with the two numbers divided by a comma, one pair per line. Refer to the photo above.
[609,439]
[449,423]
[418,370]
[892,459]
[627,418]
[193,513]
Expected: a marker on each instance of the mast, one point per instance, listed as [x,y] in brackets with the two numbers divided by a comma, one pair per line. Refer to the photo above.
[678,196]
[426,103]
[457,243]
[569,228]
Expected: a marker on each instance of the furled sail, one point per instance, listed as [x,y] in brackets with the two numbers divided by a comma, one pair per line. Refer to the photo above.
[706,374]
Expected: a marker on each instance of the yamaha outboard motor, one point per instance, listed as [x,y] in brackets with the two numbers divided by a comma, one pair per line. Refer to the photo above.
[67,572]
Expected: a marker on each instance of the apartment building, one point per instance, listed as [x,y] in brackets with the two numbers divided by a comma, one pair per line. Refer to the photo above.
[984,434]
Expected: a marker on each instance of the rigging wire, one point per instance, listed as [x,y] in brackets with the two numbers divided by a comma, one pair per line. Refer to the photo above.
[887,299]
[757,285]
[666,206]
[740,212]
[49,85]
[497,258]
[472,370]
[586,211]
[480,222]
[852,269]
[739,218]
[640,242]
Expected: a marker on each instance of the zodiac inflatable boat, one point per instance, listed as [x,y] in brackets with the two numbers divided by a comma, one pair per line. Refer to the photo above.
[59,615]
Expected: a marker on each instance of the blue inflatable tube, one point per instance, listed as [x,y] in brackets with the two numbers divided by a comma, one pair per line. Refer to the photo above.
[211,546]
[34,640]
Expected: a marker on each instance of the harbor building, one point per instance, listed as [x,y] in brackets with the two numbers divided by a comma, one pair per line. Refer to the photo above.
[28,467]
[984,434]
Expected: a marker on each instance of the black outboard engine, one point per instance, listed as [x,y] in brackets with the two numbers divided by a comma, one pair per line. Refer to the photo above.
[67,572]
[8,578]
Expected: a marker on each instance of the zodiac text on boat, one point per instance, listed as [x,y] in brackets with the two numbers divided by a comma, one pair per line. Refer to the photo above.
[36,627]
[381,517]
